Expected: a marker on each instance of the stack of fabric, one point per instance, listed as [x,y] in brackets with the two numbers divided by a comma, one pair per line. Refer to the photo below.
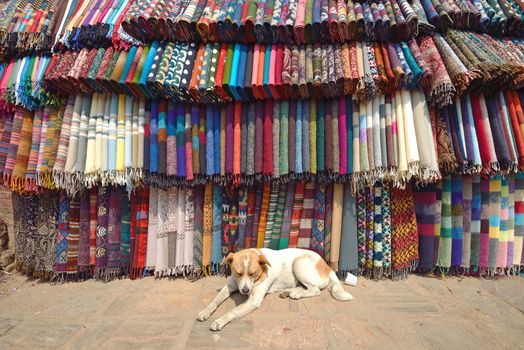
[224,72]
[302,22]
[21,84]
[29,26]
[493,17]
[154,137]
[93,24]
[109,139]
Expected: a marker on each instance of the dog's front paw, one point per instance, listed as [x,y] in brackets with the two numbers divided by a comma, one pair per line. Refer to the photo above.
[204,315]
[218,325]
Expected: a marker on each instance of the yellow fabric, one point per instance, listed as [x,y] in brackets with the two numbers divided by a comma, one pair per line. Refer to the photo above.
[120,134]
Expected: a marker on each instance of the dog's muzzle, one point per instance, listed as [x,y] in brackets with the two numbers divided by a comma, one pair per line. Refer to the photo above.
[245,290]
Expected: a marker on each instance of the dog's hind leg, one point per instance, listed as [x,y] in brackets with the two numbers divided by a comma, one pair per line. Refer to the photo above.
[306,273]
[224,293]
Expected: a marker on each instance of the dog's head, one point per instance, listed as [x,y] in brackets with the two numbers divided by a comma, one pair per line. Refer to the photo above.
[248,267]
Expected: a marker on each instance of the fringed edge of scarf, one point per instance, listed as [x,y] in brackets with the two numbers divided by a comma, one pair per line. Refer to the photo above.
[443,95]
[341,274]
[64,277]
[428,175]
[178,271]
[108,274]
[402,273]
[45,180]
[464,80]
[30,271]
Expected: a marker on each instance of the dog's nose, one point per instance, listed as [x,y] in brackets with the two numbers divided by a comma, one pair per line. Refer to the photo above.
[245,290]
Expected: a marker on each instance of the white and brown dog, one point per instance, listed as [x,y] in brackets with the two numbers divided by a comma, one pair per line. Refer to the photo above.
[296,273]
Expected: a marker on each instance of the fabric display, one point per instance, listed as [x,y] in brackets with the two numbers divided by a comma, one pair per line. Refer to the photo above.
[272,21]
[212,73]
[477,233]
[443,66]
[494,17]
[29,26]
[21,84]
[93,23]
[109,139]
[106,234]
[154,137]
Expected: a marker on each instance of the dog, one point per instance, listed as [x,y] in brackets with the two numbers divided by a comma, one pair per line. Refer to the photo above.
[295,273]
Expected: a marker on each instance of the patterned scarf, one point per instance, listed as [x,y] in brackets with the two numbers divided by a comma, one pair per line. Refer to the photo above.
[101,251]
[306,219]
[404,232]
[61,240]
[442,89]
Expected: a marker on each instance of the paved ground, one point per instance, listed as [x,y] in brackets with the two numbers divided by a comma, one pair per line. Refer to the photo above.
[419,312]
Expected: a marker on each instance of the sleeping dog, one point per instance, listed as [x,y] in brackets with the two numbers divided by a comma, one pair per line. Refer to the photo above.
[295,273]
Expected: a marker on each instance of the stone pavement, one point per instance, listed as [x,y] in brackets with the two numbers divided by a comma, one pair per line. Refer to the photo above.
[419,312]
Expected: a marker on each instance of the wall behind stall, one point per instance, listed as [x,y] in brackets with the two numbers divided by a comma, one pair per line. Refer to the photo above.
[6,214]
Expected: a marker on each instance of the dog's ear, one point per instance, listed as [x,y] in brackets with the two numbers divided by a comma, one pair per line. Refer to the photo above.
[262,260]
[228,259]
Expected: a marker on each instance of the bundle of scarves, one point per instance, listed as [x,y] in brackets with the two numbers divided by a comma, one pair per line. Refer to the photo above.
[103,142]
[100,233]
[387,237]
[462,225]
[481,63]
[92,140]
[222,72]
[191,230]
[93,23]
[272,21]
[502,17]
[291,139]
[21,84]
[481,134]
[28,149]
[109,139]
[390,140]
[477,226]
[29,27]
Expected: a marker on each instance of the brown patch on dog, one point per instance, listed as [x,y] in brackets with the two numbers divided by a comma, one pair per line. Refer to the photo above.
[323,269]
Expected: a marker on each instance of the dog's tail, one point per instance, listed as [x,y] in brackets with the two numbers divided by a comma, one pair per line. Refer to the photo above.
[336,289]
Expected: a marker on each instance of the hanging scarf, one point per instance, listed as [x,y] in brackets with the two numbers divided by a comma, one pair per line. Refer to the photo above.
[73,238]
[296,215]
[495,198]
[22,155]
[502,249]
[306,220]
[404,232]
[348,249]
[318,224]
[198,230]
[518,227]
[467,201]
[216,249]
[61,240]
